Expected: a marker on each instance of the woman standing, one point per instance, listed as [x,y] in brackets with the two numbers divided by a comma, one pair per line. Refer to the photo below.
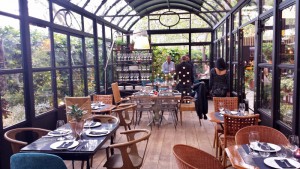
[219,79]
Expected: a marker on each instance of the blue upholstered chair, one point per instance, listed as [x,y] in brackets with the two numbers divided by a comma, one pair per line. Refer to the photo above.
[36,161]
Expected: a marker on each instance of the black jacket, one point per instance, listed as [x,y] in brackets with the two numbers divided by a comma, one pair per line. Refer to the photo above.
[184,75]
[201,103]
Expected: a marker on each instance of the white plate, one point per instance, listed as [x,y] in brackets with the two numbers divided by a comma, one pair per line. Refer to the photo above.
[101,133]
[95,125]
[273,146]
[95,107]
[271,162]
[56,145]
[59,132]
[234,112]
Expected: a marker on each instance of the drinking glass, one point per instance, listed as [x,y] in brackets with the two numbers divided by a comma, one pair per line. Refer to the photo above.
[89,122]
[265,147]
[294,143]
[242,108]
[282,152]
[60,123]
[253,139]
[79,129]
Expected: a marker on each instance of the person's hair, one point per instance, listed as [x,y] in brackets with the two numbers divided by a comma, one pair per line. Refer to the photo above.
[183,58]
[220,64]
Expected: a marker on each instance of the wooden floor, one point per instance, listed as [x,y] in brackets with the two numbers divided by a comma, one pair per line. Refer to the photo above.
[159,152]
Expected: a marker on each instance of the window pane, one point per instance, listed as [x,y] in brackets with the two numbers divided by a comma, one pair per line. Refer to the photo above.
[267,41]
[89,47]
[91,80]
[170,38]
[76,51]
[99,30]
[267,4]
[78,83]
[288,35]
[43,9]
[63,88]
[101,59]
[12,99]
[88,25]
[200,56]
[235,47]
[40,46]
[10,43]
[201,37]
[9,6]
[266,89]
[236,23]
[60,49]
[249,11]
[107,32]
[66,17]
[43,95]
[286,96]
[198,22]
[235,78]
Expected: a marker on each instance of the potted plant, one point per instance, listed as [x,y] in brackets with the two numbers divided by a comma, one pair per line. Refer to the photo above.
[249,77]
[119,42]
[76,115]
[131,45]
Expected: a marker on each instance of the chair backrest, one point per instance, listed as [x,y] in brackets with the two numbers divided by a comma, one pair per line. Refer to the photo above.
[233,123]
[16,145]
[133,151]
[106,99]
[123,114]
[266,134]
[168,103]
[230,103]
[106,119]
[116,93]
[83,103]
[188,157]
[144,103]
[36,161]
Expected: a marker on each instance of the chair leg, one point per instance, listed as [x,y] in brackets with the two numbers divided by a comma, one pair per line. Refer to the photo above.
[224,158]
[181,117]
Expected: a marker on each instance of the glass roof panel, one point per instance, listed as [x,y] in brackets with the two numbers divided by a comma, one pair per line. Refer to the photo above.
[135,18]
[124,21]
[92,6]
[79,3]
[105,7]
[198,22]
[125,10]
[116,7]
[142,24]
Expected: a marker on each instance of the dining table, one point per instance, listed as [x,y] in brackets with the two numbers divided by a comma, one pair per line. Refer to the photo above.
[87,147]
[99,108]
[241,158]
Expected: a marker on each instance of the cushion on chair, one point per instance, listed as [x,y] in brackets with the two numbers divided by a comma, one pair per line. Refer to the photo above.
[36,161]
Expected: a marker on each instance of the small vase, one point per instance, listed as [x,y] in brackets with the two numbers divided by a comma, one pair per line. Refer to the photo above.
[77,127]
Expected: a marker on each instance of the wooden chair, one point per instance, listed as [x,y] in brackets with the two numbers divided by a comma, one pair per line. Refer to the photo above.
[132,152]
[116,93]
[232,124]
[123,113]
[187,104]
[83,103]
[16,145]
[266,134]
[230,103]
[106,99]
[36,160]
[188,157]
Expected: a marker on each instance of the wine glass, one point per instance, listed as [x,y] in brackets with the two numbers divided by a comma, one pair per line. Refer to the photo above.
[282,152]
[265,150]
[294,142]
[60,123]
[253,140]
[89,122]
[242,108]
[221,107]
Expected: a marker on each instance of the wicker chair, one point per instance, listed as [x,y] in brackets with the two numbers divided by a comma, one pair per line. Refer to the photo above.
[230,103]
[266,134]
[188,157]
[132,152]
[106,99]
[122,112]
[232,124]
[83,103]
[16,145]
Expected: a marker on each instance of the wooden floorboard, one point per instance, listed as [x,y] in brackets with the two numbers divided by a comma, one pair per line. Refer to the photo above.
[159,153]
